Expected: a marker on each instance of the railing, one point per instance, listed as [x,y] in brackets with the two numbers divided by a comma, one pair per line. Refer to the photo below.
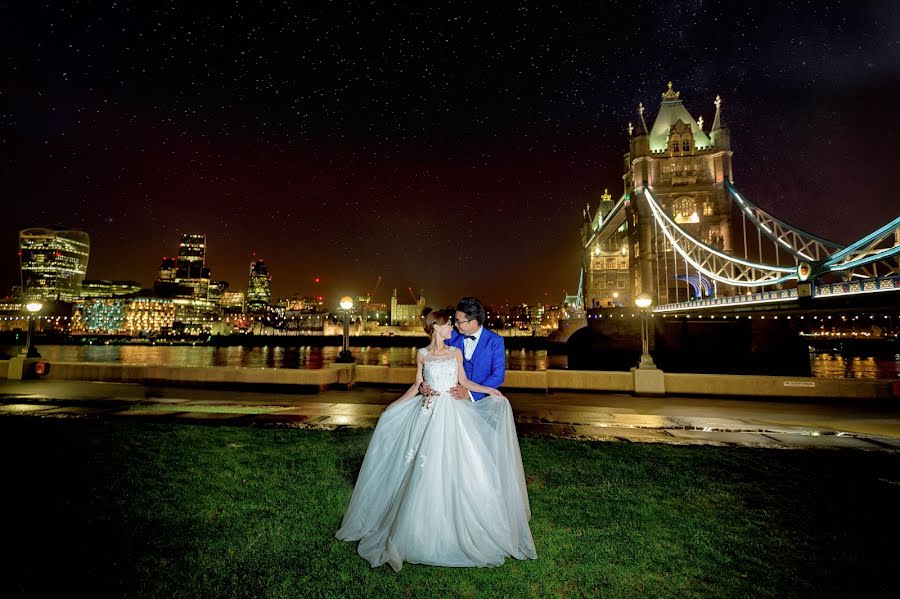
[874,285]
[764,297]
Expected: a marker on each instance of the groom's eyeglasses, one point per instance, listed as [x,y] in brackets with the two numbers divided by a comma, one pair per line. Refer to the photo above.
[459,322]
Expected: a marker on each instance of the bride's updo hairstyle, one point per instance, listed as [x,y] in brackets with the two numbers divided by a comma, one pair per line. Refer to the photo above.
[436,318]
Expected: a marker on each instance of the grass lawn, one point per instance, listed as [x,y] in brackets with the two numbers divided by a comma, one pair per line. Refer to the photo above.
[160,510]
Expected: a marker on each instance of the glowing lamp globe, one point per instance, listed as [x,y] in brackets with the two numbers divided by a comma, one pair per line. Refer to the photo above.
[346,302]
[34,306]
[643,300]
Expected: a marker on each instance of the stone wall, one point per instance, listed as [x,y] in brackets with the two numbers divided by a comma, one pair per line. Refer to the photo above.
[713,385]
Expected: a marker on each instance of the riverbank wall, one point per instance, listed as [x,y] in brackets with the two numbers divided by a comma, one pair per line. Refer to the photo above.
[347,375]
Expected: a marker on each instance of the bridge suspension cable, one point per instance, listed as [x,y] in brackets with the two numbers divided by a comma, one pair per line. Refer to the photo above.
[800,244]
[712,262]
[870,251]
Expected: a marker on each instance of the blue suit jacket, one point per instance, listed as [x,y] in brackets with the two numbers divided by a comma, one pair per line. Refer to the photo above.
[488,364]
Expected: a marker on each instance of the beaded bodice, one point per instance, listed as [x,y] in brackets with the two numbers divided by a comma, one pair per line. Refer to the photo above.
[440,372]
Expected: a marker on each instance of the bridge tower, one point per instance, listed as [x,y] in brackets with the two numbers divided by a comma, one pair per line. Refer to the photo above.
[686,168]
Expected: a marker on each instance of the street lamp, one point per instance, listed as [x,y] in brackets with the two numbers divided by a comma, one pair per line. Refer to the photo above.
[33,308]
[643,302]
[345,356]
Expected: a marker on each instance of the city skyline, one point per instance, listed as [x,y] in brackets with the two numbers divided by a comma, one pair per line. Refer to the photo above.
[453,153]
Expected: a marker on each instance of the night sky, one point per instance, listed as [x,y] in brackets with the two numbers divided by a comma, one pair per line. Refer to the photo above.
[450,149]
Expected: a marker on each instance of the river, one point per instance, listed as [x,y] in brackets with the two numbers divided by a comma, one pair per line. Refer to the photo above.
[824,364]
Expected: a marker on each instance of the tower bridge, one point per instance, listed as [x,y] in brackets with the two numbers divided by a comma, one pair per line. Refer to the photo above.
[732,285]
[683,233]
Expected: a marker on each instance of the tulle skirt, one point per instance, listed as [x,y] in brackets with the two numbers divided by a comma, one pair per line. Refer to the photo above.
[441,484]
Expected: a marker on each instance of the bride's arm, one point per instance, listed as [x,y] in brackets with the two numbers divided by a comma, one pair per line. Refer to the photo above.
[466,383]
[414,389]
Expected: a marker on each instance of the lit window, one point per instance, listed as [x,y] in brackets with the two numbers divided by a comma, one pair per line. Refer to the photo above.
[685,210]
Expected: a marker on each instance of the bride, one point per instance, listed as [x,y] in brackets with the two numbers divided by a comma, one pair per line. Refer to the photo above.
[442,481]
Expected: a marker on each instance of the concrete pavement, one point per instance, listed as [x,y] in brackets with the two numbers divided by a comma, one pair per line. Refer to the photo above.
[873,425]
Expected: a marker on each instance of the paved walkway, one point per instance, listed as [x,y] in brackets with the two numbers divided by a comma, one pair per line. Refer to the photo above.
[873,425]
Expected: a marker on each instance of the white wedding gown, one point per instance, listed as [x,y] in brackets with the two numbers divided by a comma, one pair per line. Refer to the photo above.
[441,484]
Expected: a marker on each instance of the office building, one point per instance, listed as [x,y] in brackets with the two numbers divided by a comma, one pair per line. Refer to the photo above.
[53,263]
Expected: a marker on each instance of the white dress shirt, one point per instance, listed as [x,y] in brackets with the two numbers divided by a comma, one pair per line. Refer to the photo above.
[469,344]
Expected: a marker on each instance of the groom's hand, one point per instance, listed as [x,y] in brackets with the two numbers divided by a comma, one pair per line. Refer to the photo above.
[459,392]
[425,389]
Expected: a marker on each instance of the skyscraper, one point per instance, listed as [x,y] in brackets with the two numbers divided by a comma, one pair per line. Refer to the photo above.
[191,270]
[259,289]
[167,270]
[53,263]
[217,289]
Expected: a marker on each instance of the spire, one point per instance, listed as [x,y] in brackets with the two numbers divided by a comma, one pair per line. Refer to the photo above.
[643,123]
[717,121]
[606,197]
[719,135]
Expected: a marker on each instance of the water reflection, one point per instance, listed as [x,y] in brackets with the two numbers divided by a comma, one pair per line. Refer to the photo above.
[520,359]
[265,357]
[824,365]
[835,365]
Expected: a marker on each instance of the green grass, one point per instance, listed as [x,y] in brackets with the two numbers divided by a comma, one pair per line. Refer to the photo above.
[204,409]
[164,510]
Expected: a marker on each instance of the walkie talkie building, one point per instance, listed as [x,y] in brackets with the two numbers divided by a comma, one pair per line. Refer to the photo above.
[53,263]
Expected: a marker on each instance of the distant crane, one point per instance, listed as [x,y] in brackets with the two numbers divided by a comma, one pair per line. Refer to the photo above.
[369,297]
[371,294]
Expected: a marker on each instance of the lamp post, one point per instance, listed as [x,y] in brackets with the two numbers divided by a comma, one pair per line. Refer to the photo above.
[33,308]
[345,356]
[643,302]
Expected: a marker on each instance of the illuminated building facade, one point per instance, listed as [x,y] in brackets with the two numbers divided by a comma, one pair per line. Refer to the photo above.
[686,169]
[149,316]
[518,316]
[259,288]
[123,316]
[306,303]
[494,319]
[53,263]
[379,312]
[105,288]
[232,302]
[191,272]
[685,166]
[607,272]
[406,314]
[550,318]
[104,315]
[302,320]
[195,316]
[217,290]
[168,270]
[164,285]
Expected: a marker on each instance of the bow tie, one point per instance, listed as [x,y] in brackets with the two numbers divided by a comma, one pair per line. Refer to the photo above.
[472,337]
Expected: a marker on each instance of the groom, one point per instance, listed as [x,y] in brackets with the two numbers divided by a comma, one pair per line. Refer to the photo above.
[484,355]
